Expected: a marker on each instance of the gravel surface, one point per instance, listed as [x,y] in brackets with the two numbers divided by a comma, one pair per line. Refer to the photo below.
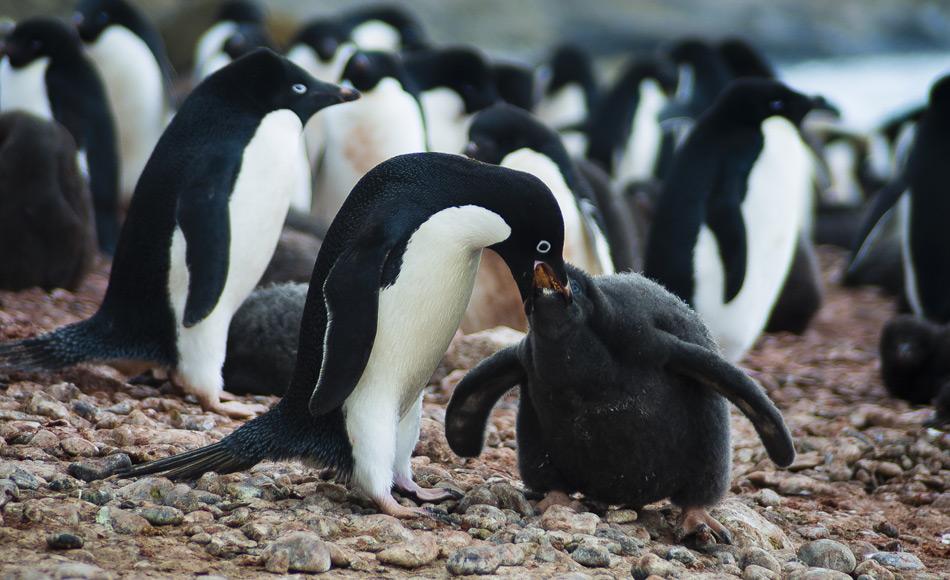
[869,495]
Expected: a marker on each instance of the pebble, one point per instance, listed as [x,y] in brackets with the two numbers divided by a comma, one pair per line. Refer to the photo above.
[41,404]
[100,495]
[510,497]
[681,554]
[24,479]
[621,516]
[818,574]
[64,541]
[122,521]
[485,517]
[828,554]
[44,439]
[422,550]
[651,565]
[9,491]
[754,572]
[228,544]
[78,571]
[758,557]
[872,570]
[479,495]
[383,528]
[162,516]
[748,527]
[474,560]
[562,518]
[95,469]
[297,552]
[768,498]
[77,446]
[592,556]
[900,561]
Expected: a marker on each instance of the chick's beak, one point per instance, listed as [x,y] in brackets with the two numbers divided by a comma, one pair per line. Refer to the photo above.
[546,281]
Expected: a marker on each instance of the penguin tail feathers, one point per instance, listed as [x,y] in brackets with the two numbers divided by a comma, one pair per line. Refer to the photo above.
[192,464]
[66,346]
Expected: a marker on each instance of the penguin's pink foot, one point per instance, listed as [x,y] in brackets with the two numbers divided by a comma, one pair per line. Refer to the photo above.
[232,409]
[434,495]
[389,506]
[553,498]
[703,528]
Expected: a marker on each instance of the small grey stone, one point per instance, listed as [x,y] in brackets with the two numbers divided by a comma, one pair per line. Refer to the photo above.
[298,552]
[24,479]
[900,561]
[80,571]
[94,469]
[41,404]
[162,516]
[122,521]
[77,446]
[592,556]
[416,553]
[87,411]
[872,570]
[98,495]
[511,498]
[480,495]
[768,498]
[754,556]
[9,491]
[121,408]
[628,546]
[754,572]
[651,565]
[621,516]
[64,541]
[681,554]
[474,560]
[828,554]
[818,574]
[485,517]
[565,519]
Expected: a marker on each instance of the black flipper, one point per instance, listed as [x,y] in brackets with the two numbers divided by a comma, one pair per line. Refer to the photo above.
[724,218]
[192,464]
[875,224]
[712,370]
[351,293]
[474,397]
[206,224]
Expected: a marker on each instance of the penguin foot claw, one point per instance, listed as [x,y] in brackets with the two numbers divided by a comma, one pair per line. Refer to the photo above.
[702,530]
[553,498]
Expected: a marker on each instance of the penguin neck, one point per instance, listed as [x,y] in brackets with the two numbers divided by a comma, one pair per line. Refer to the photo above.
[565,107]
[446,120]
[24,88]
[211,42]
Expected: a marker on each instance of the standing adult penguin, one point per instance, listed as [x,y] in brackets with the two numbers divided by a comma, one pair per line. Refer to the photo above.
[232,16]
[454,83]
[375,326]
[623,398]
[385,27]
[387,121]
[701,76]
[44,72]
[200,231]
[569,94]
[511,137]
[131,58]
[727,221]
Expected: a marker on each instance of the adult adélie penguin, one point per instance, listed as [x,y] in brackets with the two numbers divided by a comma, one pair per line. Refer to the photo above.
[731,209]
[391,283]
[201,229]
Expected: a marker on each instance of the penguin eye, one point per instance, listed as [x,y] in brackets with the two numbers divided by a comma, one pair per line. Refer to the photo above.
[544,247]
[776,105]
[299,88]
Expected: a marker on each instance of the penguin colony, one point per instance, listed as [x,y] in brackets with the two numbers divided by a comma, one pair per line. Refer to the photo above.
[643,232]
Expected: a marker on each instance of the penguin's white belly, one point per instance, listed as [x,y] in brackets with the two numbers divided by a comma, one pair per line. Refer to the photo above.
[773,215]
[256,211]
[215,62]
[420,312]
[843,167]
[376,35]
[446,121]
[24,89]
[911,287]
[565,108]
[384,123]
[211,43]
[133,81]
[575,142]
[638,160]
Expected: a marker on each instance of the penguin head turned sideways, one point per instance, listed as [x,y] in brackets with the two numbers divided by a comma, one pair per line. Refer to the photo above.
[324,36]
[463,70]
[503,129]
[39,37]
[92,17]
[266,81]
[365,69]
[753,100]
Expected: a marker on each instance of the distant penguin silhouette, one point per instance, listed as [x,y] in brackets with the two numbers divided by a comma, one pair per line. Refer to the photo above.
[623,397]
[232,15]
[515,84]
[920,193]
[200,230]
[375,326]
[454,83]
[385,27]
[915,364]
[568,94]
[47,234]
[732,208]
[130,55]
[44,72]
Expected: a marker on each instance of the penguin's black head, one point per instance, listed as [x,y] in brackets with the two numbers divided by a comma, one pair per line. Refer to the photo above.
[92,17]
[744,60]
[515,84]
[693,51]
[463,70]
[266,81]
[753,100]
[907,343]
[245,39]
[570,64]
[39,37]
[940,95]
[241,11]
[324,36]
[366,69]
[503,129]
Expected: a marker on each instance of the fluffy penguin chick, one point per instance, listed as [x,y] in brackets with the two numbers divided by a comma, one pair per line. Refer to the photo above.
[623,398]
[200,231]
[388,291]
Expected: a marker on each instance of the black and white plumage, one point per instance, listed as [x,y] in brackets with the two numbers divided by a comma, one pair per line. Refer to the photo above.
[567,94]
[45,72]
[623,397]
[393,277]
[235,19]
[200,231]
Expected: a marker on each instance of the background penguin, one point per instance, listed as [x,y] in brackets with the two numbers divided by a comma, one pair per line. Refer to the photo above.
[701,76]
[623,398]
[508,136]
[44,72]
[920,193]
[728,219]
[569,94]
[514,83]
[387,121]
[47,236]
[385,27]
[454,84]
[200,231]
[245,38]
[262,340]
[915,364]
[131,58]
[232,16]
[375,326]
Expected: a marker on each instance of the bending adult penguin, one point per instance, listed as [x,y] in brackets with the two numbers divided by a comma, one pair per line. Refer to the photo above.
[232,15]
[44,72]
[569,94]
[47,235]
[511,137]
[375,326]
[387,121]
[131,58]
[453,83]
[200,230]
[921,197]
[623,398]
[726,225]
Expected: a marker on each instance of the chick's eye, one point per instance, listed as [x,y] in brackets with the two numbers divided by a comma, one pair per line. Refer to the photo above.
[544,247]
[777,105]
[299,88]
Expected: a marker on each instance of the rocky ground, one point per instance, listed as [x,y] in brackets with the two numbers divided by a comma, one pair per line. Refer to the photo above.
[868,497]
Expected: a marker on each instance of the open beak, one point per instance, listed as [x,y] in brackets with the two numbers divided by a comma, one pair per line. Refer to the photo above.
[545,282]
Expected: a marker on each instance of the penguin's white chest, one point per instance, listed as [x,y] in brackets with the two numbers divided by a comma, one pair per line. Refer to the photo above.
[376,35]
[565,107]
[210,45]
[638,160]
[24,89]
[446,120]
[420,312]
[773,211]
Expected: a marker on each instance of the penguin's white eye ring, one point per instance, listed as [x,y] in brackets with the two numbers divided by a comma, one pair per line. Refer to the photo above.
[299,88]
[544,247]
